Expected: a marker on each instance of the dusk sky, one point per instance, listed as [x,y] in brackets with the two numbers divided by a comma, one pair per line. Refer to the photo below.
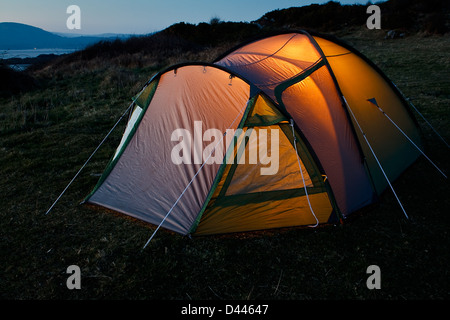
[139,16]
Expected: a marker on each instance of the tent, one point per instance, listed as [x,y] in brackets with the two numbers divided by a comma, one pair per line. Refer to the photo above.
[293,129]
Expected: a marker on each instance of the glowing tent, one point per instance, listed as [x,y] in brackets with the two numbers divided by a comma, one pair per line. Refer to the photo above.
[289,130]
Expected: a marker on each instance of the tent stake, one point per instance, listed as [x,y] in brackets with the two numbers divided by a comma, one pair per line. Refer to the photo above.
[374,102]
[79,171]
[378,162]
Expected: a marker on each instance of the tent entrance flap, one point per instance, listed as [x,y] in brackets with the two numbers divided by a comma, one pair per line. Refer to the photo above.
[262,187]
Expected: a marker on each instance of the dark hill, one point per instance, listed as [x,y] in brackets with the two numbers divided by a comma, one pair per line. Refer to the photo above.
[412,16]
[431,16]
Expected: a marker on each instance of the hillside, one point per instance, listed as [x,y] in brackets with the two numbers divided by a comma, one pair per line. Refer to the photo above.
[412,16]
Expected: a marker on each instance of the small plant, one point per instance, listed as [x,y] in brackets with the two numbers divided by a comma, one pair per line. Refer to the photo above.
[214,20]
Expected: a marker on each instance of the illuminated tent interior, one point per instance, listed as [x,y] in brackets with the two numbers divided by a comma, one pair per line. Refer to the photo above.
[329,110]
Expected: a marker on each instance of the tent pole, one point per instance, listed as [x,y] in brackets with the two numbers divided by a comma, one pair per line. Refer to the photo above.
[376,158]
[79,171]
[389,118]
[422,116]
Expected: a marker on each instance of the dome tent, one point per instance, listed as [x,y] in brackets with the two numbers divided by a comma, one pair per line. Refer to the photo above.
[328,116]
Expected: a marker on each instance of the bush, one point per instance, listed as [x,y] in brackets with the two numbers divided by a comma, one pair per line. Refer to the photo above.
[13,82]
[435,24]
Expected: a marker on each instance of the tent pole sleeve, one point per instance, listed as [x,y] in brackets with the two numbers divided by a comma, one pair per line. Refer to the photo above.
[84,165]
[376,158]
[412,142]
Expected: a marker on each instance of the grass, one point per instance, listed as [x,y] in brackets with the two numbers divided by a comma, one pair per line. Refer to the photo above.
[48,133]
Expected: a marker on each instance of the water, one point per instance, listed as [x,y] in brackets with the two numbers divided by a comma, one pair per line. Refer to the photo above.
[32,53]
[29,53]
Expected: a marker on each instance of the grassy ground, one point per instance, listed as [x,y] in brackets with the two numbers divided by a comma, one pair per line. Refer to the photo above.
[47,134]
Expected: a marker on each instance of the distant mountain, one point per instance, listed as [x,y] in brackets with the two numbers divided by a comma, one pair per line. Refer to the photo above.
[18,36]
